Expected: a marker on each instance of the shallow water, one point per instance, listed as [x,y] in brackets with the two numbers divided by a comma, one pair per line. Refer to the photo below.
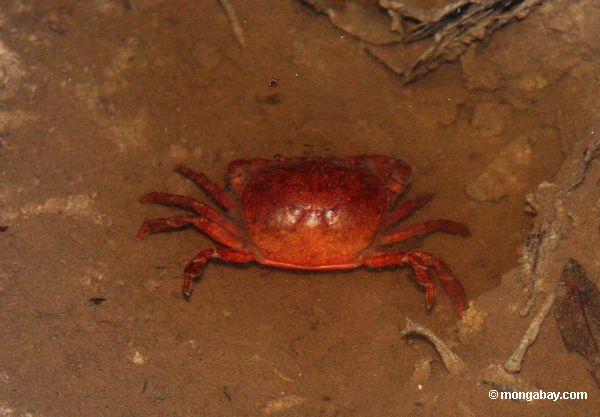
[110,99]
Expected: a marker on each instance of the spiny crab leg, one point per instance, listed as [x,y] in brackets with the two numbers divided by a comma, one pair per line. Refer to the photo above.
[406,209]
[173,200]
[201,259]
[204,224]
[426,267]
[202,181]
[439,225]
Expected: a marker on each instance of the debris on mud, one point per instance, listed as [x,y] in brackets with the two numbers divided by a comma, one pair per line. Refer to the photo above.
[561,208]
[76,205]
[501,377]
[577,313]
[447,31]
[281,404]
[515,362]
[11,72]
[452,362]
[234,21]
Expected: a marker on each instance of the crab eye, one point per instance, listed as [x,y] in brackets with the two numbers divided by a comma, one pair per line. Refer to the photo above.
[237,178]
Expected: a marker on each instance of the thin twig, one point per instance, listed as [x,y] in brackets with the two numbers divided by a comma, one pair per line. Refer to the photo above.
[235,23]
[513,364]
[496,376]
[547,239]
[591,152]
[452,362]
[453,27]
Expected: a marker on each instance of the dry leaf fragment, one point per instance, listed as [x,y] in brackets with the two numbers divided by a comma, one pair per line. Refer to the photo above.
[577,313]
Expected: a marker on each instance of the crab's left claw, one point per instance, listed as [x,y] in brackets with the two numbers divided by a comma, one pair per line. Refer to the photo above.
[452,287]
[426,268]
[432,267]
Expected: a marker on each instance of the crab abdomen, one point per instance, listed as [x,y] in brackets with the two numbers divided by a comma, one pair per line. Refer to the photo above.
[313,213]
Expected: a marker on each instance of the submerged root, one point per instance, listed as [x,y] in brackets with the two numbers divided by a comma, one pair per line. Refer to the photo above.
[452,362]
[235,23]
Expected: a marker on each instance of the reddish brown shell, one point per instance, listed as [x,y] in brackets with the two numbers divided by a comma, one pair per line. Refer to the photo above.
[311,212]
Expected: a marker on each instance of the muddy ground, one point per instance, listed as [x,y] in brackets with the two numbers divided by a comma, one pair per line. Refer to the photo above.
[99,100]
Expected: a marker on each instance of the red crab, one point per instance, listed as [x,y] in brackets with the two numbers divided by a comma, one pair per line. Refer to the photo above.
[311,214]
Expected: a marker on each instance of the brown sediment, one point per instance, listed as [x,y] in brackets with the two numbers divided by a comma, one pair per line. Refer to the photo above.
[101,99]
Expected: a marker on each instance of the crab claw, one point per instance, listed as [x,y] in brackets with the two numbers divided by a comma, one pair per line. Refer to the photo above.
[427,267]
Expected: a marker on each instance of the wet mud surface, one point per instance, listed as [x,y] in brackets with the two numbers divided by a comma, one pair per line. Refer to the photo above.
[99,101]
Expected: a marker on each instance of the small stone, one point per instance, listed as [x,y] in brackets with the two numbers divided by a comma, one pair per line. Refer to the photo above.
[94,277]
[472,322]
[421,372]
[138,359]
[11,72]
[531,83]
[283,403]
[4,377]
[151,284]
[505,175]
[5,410]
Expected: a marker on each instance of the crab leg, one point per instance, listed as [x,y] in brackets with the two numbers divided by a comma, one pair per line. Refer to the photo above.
[440,225]
[201,259]
[212,229]
[406,209]
[426,267]
[202,181]
[173,200]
